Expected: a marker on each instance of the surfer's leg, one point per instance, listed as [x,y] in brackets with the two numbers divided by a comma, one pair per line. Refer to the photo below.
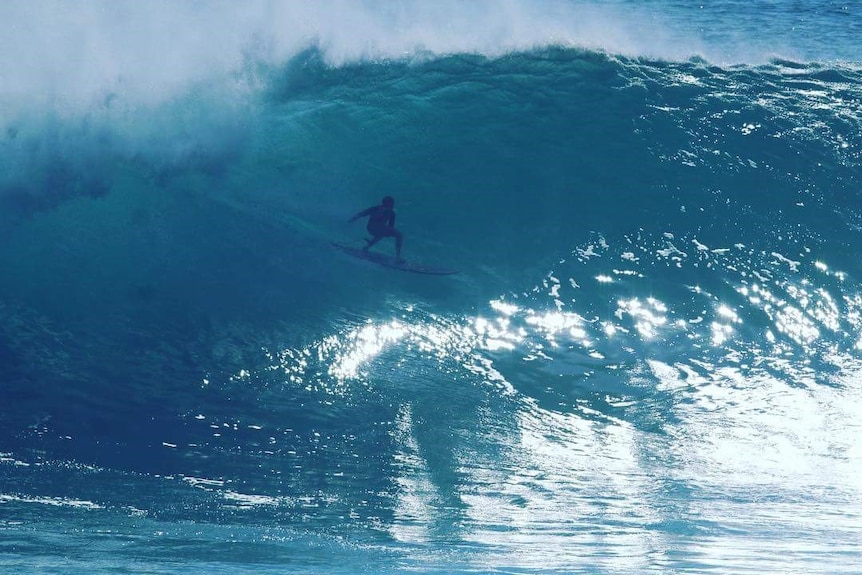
[399,240]
[371,242]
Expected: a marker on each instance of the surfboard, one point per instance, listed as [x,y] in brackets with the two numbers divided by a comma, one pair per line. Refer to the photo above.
[390,261]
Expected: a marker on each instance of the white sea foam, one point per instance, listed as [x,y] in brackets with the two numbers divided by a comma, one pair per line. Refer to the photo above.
[53,501]
[72,54]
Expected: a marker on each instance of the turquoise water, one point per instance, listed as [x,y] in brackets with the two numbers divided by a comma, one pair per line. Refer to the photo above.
[648,363]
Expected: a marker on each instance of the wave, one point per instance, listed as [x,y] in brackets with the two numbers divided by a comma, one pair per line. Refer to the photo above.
[658,284]
[501,167]
[148,54]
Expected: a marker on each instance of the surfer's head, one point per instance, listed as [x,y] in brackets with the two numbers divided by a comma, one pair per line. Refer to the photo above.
[388,201]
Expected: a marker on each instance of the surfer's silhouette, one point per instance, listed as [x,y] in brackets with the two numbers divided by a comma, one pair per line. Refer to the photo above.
[381,224]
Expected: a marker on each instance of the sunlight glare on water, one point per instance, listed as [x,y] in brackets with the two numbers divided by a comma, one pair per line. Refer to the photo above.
[743,426]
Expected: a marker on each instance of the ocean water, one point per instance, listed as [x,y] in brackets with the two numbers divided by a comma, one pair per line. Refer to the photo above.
[650,361]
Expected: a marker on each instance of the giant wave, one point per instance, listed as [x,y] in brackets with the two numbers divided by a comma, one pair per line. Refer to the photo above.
[653,345]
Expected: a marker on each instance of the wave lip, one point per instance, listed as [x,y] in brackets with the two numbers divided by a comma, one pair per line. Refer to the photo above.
[148,52]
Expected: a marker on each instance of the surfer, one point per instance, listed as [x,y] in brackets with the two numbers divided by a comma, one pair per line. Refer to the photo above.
[381,224]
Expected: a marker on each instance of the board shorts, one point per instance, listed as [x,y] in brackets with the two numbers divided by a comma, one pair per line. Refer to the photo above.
[382,231]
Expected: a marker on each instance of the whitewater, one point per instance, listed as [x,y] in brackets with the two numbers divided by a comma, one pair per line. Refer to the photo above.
[650,360]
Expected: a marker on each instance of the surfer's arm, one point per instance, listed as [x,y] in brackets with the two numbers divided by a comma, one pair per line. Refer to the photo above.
[392,220]
[361,214]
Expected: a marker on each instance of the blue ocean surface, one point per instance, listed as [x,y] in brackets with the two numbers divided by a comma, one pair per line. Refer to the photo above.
[650,360]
